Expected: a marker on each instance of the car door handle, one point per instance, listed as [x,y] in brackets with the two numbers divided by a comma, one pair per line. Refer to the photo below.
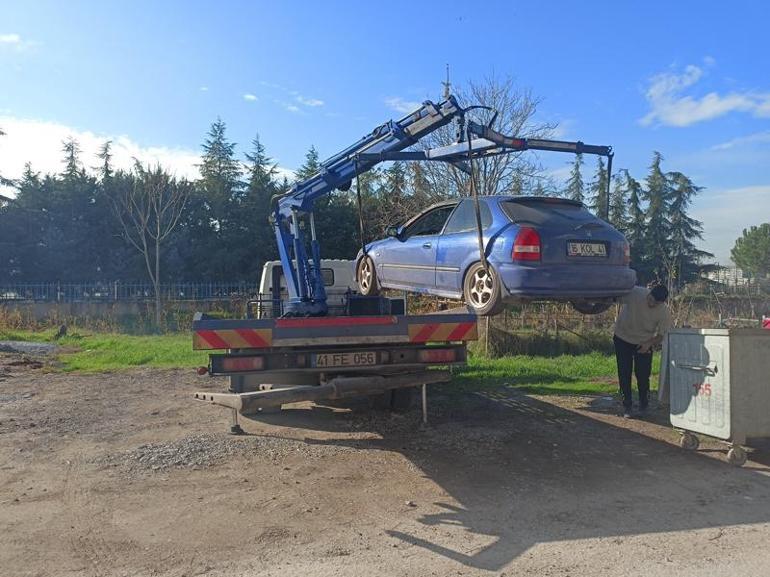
[426,245]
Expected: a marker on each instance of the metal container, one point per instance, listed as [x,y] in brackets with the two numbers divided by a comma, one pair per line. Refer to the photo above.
[720,385]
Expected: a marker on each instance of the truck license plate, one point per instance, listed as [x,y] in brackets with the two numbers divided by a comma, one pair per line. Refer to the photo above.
[353,359]
[586,249]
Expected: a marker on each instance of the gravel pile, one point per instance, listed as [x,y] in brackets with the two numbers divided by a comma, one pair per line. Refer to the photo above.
[205,450]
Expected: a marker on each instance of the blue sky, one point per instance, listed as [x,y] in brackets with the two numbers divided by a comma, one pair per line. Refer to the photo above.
[690,79]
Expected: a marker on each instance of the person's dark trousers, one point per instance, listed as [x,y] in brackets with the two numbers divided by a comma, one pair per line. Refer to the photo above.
[630,360]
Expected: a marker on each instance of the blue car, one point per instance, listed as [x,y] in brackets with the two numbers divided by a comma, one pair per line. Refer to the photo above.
[540,248]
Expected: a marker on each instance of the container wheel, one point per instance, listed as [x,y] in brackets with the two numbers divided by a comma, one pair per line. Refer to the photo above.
[736,456]
[689,441]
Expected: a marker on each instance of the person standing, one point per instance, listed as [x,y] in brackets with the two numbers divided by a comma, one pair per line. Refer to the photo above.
[641,325]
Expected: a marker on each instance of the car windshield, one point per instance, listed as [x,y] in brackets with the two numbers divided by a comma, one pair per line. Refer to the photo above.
[545,211]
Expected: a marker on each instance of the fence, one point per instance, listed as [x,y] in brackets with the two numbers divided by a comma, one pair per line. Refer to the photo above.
[121,291]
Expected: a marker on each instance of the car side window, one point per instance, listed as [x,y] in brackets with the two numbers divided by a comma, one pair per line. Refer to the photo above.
[430,223]
[464,218]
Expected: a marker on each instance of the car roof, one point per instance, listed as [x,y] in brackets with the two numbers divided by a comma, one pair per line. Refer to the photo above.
[508,197]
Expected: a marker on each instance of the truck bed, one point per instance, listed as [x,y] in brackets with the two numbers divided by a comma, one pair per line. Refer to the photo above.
[218,334]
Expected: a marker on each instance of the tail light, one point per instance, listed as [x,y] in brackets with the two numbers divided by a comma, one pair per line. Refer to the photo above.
[236,364]
[436,355]
[626,253]
[527,245]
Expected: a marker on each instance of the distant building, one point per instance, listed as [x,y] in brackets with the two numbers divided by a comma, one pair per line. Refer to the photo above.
[729,276]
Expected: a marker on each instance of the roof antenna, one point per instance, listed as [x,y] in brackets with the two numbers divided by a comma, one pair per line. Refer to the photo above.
[447,84]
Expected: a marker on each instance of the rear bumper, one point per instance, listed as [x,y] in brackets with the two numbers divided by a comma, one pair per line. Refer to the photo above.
[564,282]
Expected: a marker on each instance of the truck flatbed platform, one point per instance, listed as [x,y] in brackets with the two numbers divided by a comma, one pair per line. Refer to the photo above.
[217,334]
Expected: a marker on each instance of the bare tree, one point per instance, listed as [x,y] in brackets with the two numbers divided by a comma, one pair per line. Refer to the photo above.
[148,207]
[506,173]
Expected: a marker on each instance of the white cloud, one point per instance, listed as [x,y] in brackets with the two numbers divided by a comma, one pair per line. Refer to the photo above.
[669,105]
[250,97]
[401,105]
[756,138]
[40,143]
[15,42]
[725,213]
[13,39]
[309,101]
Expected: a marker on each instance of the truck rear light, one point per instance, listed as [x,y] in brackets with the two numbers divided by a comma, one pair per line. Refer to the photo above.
[526,246]
[239,364]
[436,355]
[626,253]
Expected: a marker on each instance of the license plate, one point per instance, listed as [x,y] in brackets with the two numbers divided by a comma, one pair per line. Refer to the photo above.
[355,359]
[586,249]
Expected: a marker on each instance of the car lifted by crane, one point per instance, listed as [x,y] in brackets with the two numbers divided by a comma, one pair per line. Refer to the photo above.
[303,353]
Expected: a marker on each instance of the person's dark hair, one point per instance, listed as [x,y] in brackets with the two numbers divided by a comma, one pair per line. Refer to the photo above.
[659,293]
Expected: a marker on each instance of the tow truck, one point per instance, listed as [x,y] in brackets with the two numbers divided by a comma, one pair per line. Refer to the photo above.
[373,347]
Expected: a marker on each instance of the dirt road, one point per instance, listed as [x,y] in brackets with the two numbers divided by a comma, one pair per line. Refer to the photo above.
[123,474]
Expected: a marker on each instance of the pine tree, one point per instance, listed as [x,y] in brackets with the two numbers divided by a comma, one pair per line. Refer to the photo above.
[311,165]
[600,199]
[618,212]
[255,213]
[105,155]
[575,187]
[215,245]
[71,150]
[657,194]
[636,230]
[684,257]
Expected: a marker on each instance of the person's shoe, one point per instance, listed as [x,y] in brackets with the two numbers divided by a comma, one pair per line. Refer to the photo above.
[627,414]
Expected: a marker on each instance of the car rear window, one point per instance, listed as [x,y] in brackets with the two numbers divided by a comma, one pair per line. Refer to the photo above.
[545,211]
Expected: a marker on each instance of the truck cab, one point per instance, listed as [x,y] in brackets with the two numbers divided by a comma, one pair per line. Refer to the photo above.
[338,278]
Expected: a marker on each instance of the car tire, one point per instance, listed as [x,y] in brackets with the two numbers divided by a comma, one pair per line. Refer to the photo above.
[591,307]
[482,291]
[366,276]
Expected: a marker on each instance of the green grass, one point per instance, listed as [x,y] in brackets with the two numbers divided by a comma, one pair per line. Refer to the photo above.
[93,353]
[573,374]
[590,373]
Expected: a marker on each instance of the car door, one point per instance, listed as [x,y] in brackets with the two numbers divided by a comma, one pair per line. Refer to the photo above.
[457,243]
[410,261]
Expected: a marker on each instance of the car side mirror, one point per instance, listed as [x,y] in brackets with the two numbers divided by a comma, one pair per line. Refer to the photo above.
[394,231]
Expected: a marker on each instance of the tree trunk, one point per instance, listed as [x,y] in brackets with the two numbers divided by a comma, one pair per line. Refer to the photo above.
[157,285]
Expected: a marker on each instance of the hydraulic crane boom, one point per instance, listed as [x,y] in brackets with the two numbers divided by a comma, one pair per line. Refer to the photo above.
[307,296]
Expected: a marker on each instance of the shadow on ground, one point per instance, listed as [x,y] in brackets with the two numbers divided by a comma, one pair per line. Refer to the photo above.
[518,471]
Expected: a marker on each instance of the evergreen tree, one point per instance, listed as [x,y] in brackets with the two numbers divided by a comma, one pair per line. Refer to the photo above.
[256,210]
[311,165]
[683,256]
[600,199]
[336,216]
[105,155]
[751,251]
[575,187]
[636,230]
[618,212]
[657,227]
[71,150]
[214,244]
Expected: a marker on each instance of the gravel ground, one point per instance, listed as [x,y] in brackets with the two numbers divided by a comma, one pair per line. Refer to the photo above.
[124,474]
